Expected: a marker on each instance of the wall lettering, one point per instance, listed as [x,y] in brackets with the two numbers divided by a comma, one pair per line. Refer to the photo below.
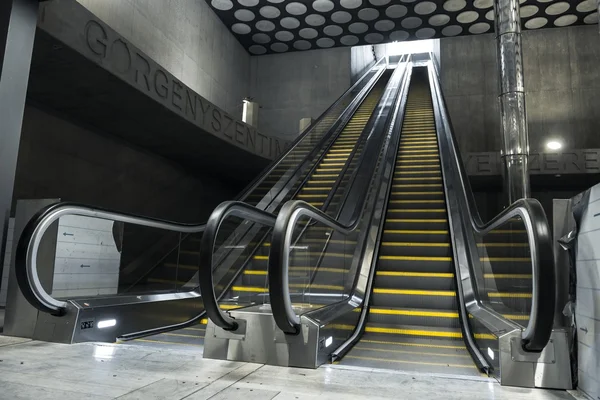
[119,55]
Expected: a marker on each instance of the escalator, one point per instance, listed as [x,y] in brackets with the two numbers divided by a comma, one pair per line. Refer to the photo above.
[413,320]
[250,286]
[431,288]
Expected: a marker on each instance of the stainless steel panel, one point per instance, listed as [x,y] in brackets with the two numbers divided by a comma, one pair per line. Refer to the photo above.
[258,340]
[564,223]
[21,317]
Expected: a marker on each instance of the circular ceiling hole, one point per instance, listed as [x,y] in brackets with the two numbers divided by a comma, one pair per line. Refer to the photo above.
[565,20]
[265,26]
[591,19]
[358,27]
[351,4]
[479,28]
[374,38]
[483,4]
[222,5]
[399,35]
[248,3]
[587,6]
[454,5]
[261,38]
[302,45]
[270,12]
[349,40]
[241,29]
[244,15]
[439,20]
[368,14]
[425,7]
[284,36]
[379,2]
[257,49]
[536,23]
[323,5]
[341,17]
[396,11]
[529,11]
[411,22]
[490,15]
[425,33]
[467,17]
[295,8]
[289,22]
[308,33]
[452,30]
[333,30]
[385,25]
[325,42]
[279,47]
[315,19]
[557,8]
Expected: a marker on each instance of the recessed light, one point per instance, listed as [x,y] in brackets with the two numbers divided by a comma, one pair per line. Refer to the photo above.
[554,145]
[107,323]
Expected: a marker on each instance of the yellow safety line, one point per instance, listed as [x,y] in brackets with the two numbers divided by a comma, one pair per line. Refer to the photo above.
[434,156]
[414,292]
[413,362]
[181,335]
[433,346]
[503,244]
[507,276]
[510,295]
[418,185]
[416,274]
[418,210]
[415,313]
[163,342]
[414,258]
[413,332]
[413,352]
[416,193]
[516,317]
[414,244]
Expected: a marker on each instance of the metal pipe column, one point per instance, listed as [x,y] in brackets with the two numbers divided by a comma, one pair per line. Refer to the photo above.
[18,21]
[513,116]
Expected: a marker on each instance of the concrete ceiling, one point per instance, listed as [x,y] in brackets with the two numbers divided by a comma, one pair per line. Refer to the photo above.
[278,26]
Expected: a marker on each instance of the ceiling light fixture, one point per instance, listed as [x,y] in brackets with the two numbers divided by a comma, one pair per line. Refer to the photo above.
[554,145]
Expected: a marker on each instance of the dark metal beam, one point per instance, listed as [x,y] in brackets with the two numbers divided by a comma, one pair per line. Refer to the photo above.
[513,116]
[18,20]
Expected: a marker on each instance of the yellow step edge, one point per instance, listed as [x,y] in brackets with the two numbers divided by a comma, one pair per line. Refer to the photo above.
[412,292]
[416,193]
[417,185]
[416,274]
[413,313]
[408,220]
[419,345]
[507,276]
[417,201]
[420,178]
[420,353]
[500,259]
[424,210]
[414,258]
[510,295]
[414,244]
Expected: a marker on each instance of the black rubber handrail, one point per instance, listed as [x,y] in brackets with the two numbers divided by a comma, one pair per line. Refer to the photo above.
[218,316]
[539,329]
[283,313]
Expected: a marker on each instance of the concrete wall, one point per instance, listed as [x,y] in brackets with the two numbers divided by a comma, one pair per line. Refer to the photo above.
[6,262]
[189,40]
[562,83]
[296,85]
[587,309]
[361,57]
[58,159]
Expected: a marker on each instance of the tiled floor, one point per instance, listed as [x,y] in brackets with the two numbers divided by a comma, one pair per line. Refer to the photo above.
[37,370]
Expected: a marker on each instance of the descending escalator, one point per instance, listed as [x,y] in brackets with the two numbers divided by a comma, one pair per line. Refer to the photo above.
[413,319]
[250,286]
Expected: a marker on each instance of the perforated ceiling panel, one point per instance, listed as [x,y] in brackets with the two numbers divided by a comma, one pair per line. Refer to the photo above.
[277,26]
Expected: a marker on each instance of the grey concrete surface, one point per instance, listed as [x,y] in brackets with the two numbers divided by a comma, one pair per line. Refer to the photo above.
[105,371]
[189,40]
[561,83]
[296,85]
[361,57]
[59,159]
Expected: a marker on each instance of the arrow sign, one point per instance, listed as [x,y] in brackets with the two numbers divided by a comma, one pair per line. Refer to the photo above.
[68,234]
